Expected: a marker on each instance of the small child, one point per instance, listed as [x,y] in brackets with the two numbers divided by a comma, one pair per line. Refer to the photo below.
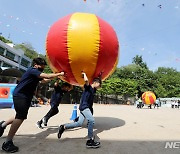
[55,101]
[85,108]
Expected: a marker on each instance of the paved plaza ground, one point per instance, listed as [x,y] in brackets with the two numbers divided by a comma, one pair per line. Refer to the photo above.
[121,130]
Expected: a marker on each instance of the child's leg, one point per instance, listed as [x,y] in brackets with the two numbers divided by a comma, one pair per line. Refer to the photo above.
[21,106]
[88,115]
[53,111]
[3,125]
[70,125]
[13,129]
[7,122]
[75,124]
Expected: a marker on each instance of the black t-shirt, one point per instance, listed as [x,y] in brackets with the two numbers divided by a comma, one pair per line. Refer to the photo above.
[27,85]
[57,96]
[87,97]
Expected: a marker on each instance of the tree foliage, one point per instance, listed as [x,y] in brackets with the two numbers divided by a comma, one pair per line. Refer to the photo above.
[28,50]
[31,53]
[3,39]
[136,78]
[139,61]
[169,79]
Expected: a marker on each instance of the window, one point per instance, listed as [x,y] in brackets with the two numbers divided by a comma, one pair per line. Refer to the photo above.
[23,71]
[10,55]
[24,62]
[6,65]
[1,51]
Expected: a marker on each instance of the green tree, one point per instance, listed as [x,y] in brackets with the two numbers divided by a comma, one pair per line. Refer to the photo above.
[116,86]
[139,61]
[31,53]
[145,78]
[28,50]
[169,79]
[3,39]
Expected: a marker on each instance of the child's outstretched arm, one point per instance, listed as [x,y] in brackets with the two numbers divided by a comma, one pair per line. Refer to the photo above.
[85,78]
[51,75]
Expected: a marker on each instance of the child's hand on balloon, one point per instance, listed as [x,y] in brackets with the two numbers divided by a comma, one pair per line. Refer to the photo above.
[62,73]
[83,74]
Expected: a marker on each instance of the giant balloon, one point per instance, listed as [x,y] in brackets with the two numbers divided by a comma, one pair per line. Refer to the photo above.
[82,42]
[148,97]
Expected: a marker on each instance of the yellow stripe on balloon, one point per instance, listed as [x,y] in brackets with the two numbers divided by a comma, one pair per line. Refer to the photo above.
[85,44]
[147,100]
[154,97]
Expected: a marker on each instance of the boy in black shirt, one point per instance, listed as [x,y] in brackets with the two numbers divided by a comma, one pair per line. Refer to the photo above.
[55,101]
[22,98]
[85,108]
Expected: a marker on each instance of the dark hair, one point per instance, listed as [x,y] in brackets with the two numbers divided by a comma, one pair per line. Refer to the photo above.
[97,80]
[65,84]
[39,61]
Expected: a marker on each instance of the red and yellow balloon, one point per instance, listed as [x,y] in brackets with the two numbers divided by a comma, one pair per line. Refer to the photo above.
[82,42]
[148,97]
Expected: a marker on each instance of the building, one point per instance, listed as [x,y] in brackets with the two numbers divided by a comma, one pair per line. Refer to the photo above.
[13,58]
[167,102]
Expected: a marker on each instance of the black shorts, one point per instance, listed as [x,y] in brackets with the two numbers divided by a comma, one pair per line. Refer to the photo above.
[21,106]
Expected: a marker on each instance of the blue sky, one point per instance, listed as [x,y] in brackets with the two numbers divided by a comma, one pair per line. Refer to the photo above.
[150,28]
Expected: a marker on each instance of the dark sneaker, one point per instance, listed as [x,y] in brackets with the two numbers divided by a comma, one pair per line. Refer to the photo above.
[2,128]
[92,144]
[61,130]
[44,120]
[9,147]
[38,124]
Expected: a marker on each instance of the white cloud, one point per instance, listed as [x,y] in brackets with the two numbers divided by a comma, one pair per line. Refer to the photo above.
[142,49]
[176,7]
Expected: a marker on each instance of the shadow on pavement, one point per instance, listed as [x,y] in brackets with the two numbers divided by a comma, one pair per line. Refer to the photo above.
[35,145]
